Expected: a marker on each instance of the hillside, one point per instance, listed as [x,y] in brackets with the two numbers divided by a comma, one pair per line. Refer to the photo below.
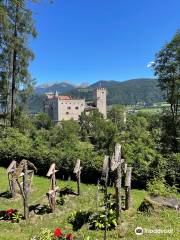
[127,92]
[164,219]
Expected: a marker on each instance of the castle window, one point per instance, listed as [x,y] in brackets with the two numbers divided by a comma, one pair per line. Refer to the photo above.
[67,113]
[76,108]
[69,107]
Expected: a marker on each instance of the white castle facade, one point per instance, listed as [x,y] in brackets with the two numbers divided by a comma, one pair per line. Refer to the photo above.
[65,107]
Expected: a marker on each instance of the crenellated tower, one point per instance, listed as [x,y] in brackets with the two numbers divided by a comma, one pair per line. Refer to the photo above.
[100,100]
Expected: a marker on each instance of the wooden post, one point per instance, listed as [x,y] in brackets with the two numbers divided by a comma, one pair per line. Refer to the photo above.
[54,191]
[22,171]
[118,183]
[77,171]
[104,177]
[26,191]
[78,182]
[12,184]
[53,188]
[128,188]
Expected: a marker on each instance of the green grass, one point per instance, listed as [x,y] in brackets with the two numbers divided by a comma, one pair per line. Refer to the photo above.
[150,110]
[161,219]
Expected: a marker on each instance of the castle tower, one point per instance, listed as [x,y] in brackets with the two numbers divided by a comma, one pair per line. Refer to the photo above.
[100,100]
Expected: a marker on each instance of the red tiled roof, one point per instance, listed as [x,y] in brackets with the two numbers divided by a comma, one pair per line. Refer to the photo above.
[64,98]
[51,96]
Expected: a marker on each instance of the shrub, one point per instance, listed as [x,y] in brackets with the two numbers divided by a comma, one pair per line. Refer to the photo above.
[100,221]
[158,187]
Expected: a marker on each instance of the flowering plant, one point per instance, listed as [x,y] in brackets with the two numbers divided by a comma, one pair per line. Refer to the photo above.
[59,235]
[47,234]
[9,215]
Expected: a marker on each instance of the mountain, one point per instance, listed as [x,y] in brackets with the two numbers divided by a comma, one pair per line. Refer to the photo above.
[104,83]
[129,92]
[59,87]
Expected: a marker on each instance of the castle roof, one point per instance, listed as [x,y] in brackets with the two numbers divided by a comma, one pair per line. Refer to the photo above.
[51,96]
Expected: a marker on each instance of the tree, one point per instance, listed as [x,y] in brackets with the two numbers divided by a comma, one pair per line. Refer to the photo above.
[42,120]
[117,116]
[14,52]
[101,133]
[167,69]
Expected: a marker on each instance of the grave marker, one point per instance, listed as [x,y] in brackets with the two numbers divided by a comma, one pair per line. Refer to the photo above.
[128,188]
[12,185]
[22,171]
[53,188]
[77,171]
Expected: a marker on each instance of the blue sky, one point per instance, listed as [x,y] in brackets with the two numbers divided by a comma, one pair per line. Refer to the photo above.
[82,41]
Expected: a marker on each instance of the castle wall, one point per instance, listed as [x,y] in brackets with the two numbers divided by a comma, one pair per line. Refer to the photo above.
[70,109]
[64,108]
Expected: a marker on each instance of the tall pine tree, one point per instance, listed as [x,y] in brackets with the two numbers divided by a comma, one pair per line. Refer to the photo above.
[17,27]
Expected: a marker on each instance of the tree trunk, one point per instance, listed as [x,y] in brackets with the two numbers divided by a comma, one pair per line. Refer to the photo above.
[14,68]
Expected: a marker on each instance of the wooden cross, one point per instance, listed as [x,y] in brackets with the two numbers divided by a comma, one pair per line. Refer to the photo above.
[128,188]
[104,177]
[77,171]
[53,188]
[22,171]
[116,163]
[12,185]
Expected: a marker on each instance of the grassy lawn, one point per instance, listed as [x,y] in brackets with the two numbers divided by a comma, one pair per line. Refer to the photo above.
[161,219]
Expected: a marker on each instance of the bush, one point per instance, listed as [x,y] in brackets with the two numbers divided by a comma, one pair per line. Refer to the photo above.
[100,221]
[158,187]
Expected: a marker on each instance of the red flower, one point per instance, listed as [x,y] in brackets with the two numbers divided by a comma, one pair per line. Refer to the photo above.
[10,212]
[69,236]
[57,232]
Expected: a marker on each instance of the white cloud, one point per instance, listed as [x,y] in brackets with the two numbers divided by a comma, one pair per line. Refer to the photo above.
[149,65]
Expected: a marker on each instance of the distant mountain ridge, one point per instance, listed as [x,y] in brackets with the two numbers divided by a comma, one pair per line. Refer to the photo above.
[59,87]
[144,90]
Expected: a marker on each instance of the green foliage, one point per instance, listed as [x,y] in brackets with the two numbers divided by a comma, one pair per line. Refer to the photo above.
[100,220]
[45,234]
[116,114]
[15,55]
[173,169]
[140,149]
[158,187]
[167,69]
[42,120]
[61,200]
[16,217]
[101,133]
[13,145]
[146,206]
[78,219]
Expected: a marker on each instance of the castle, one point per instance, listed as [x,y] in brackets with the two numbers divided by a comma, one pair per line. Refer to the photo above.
[65,107]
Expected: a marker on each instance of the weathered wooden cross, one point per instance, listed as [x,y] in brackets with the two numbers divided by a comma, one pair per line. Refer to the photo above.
[27,175]
[53,188]
[128,187]
[116,163]
[104,177]
[12,185]
[77,171]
